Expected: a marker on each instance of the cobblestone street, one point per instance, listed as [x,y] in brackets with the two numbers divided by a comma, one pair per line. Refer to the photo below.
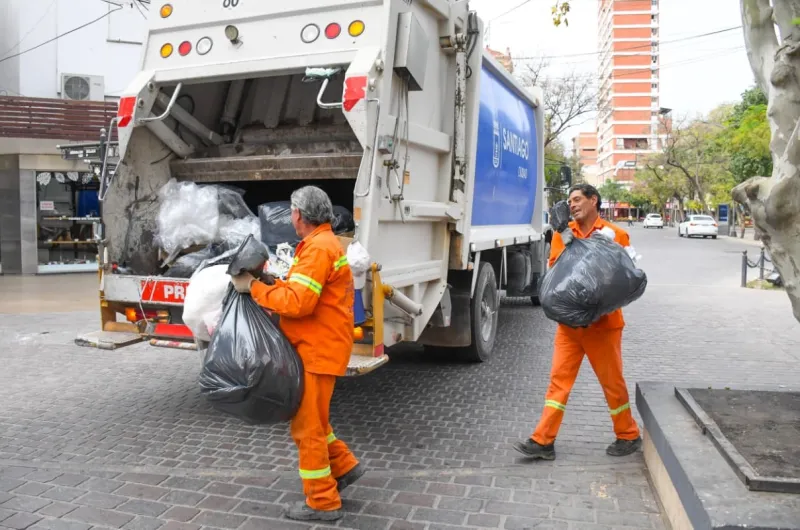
[123,439]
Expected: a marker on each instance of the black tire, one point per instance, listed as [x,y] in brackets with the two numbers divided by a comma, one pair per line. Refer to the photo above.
[679,232]
[483,316]
[713,237]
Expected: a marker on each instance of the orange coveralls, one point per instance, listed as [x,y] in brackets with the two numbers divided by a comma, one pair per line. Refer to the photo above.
[602,344]
[315,304]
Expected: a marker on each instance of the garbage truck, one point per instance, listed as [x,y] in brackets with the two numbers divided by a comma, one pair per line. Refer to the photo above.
[393,107]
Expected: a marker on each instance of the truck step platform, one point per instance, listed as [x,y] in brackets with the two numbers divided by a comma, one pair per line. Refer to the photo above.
[114,340]
[362,365]
[108,340]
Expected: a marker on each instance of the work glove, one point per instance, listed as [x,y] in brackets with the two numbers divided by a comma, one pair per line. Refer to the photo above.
[242,282]
[267,278]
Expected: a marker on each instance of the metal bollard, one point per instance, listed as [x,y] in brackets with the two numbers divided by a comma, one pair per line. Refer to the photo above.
[761,265]
[744,268]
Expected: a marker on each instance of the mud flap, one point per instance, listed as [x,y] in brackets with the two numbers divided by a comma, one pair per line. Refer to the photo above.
[458,333]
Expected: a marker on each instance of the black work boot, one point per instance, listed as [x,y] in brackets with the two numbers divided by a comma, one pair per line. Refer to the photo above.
[351,476]
[300,511]
[531,449]
[624,447]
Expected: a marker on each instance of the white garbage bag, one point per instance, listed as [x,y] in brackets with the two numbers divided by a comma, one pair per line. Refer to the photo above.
[358,259]
[202,307]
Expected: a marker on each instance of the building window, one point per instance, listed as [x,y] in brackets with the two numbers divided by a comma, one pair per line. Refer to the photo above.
[654,18]
[654,86]
[654,32]
[654,100]
[654,3]
[634,143]
[654,59]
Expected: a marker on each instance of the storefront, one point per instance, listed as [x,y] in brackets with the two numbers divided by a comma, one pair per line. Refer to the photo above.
[49,214]
[68,214]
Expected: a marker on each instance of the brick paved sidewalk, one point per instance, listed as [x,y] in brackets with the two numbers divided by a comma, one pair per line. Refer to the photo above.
[93,439]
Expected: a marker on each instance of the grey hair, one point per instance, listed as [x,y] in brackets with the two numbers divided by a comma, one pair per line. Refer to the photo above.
[314,205]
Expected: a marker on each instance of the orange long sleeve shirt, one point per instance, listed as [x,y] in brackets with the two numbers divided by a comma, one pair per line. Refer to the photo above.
[612,320]
[315,303]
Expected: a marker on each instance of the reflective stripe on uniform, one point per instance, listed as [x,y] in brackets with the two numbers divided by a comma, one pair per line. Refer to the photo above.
[308,282]
[311,474]
[331,438]
[555,405]
[341,262]
[295,260]
[617,410]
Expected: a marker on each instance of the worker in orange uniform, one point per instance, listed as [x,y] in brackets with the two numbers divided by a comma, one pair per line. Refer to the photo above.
[315,304]
[601,342]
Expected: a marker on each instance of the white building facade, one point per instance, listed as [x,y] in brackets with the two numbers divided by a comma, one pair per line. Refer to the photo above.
[63,64]
[106,52]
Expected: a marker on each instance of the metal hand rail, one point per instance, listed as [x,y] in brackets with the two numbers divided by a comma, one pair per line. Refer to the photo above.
[171,104]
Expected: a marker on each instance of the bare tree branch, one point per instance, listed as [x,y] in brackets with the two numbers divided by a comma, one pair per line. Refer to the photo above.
[566,99]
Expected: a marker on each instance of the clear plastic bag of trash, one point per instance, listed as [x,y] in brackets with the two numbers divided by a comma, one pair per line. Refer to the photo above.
[188,215]
[234,231]
[202,307]
[276,223]
[591,278]
[250,370]
[191,215]
[281,261]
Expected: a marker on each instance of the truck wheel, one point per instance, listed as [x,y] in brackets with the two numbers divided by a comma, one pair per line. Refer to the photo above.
[535,298]
[483,314]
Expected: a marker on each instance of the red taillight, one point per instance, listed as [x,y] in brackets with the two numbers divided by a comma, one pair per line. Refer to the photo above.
[333,30]
[133,314]
[692,224]
[185,48]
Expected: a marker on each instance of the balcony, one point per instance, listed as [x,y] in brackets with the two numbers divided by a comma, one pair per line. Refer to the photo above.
[54,119]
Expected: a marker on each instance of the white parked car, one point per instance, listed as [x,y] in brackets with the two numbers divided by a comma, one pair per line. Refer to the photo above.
[699,225]
[653,220]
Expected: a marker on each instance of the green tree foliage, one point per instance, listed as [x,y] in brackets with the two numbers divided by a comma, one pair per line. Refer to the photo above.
[553,160]
[613,192]
[747,137]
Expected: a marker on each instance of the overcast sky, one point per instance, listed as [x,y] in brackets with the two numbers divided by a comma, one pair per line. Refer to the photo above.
[696,74]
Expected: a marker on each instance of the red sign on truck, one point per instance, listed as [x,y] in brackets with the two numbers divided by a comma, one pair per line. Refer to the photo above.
[164,291]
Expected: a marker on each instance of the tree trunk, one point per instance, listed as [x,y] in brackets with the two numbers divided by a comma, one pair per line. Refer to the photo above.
[774,202]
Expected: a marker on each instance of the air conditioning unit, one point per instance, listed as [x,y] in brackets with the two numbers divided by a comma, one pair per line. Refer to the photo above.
[78,87]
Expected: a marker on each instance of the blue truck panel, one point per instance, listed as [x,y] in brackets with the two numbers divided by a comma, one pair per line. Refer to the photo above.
[506,156]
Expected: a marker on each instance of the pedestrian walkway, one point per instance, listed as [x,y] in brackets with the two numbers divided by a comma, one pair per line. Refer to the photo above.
[123,439]
[48,293]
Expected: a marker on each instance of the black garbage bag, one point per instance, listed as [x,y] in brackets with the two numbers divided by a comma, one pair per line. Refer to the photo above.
[591,278]
[342,220]
[250,370]
[186,266]
[276,223]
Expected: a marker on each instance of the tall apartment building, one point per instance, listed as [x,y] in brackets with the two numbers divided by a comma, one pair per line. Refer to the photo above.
[584,149]
[629,111]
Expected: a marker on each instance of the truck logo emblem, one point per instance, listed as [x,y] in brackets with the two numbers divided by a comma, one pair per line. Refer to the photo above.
[497,153]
